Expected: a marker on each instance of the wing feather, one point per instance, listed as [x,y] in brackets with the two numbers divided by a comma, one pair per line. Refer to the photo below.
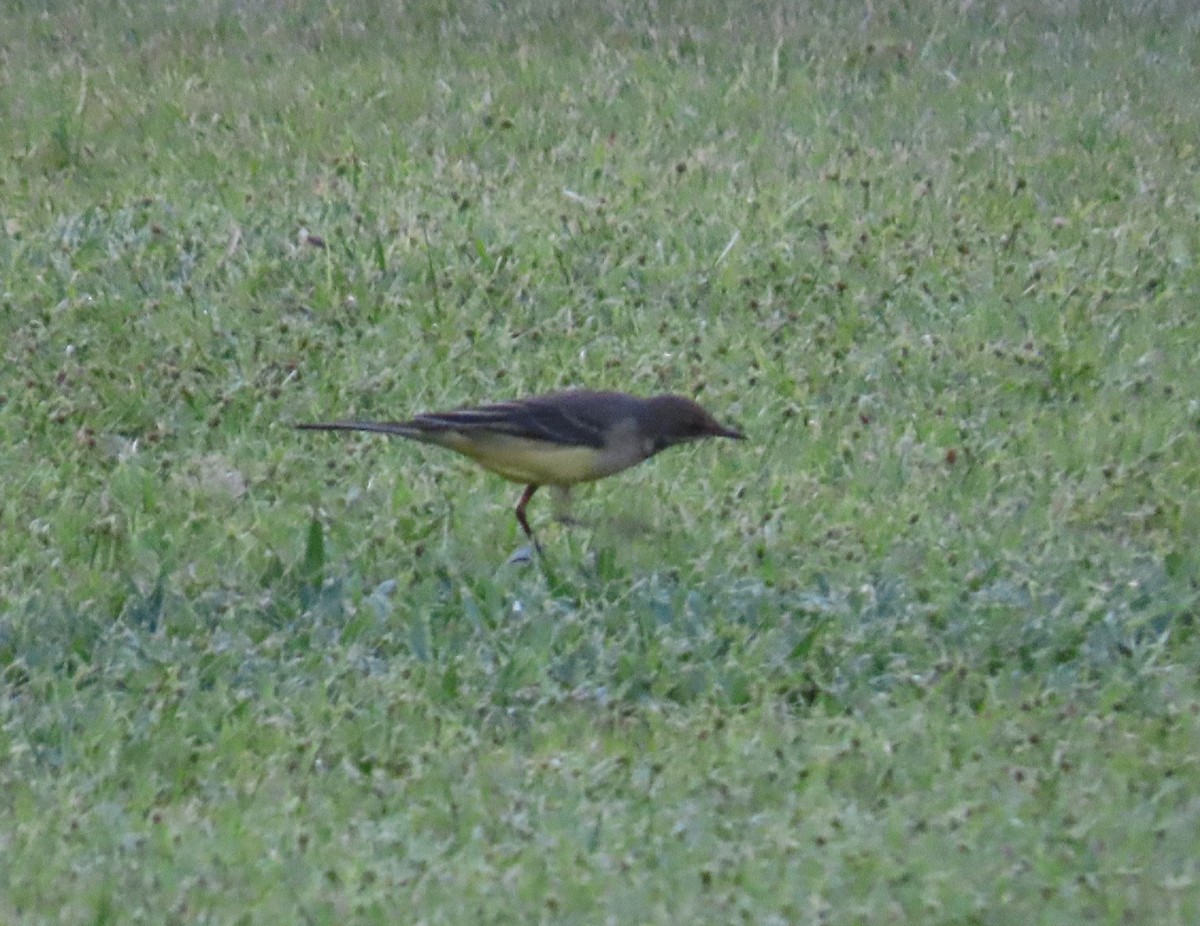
[540,419]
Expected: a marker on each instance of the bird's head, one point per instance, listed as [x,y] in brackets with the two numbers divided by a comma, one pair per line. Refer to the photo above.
[674,419]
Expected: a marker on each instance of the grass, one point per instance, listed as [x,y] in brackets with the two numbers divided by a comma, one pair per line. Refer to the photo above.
[922,650]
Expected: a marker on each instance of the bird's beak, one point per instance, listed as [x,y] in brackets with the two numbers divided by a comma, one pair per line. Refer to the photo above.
[722,431]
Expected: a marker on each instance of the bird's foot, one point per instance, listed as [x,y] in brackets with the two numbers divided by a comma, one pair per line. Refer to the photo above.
[522,555]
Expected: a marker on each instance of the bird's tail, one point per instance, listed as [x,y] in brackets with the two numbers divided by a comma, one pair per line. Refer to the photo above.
[398,428]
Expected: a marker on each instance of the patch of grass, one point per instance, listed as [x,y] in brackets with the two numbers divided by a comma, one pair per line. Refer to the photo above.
[921,650]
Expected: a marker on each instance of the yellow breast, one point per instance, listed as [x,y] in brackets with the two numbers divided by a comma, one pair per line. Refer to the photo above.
[527,461]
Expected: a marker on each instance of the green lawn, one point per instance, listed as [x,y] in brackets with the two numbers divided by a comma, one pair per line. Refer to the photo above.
[922,650]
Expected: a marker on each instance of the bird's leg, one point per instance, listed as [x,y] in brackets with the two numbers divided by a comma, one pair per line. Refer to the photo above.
[562,506]
[523,521]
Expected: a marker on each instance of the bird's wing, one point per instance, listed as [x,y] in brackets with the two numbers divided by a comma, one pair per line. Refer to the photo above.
[542,419]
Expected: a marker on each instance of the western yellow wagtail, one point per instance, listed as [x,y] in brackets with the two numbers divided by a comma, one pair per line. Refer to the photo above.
[558,439]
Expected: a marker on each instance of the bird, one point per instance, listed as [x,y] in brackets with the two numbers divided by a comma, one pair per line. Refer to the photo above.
[559,439]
